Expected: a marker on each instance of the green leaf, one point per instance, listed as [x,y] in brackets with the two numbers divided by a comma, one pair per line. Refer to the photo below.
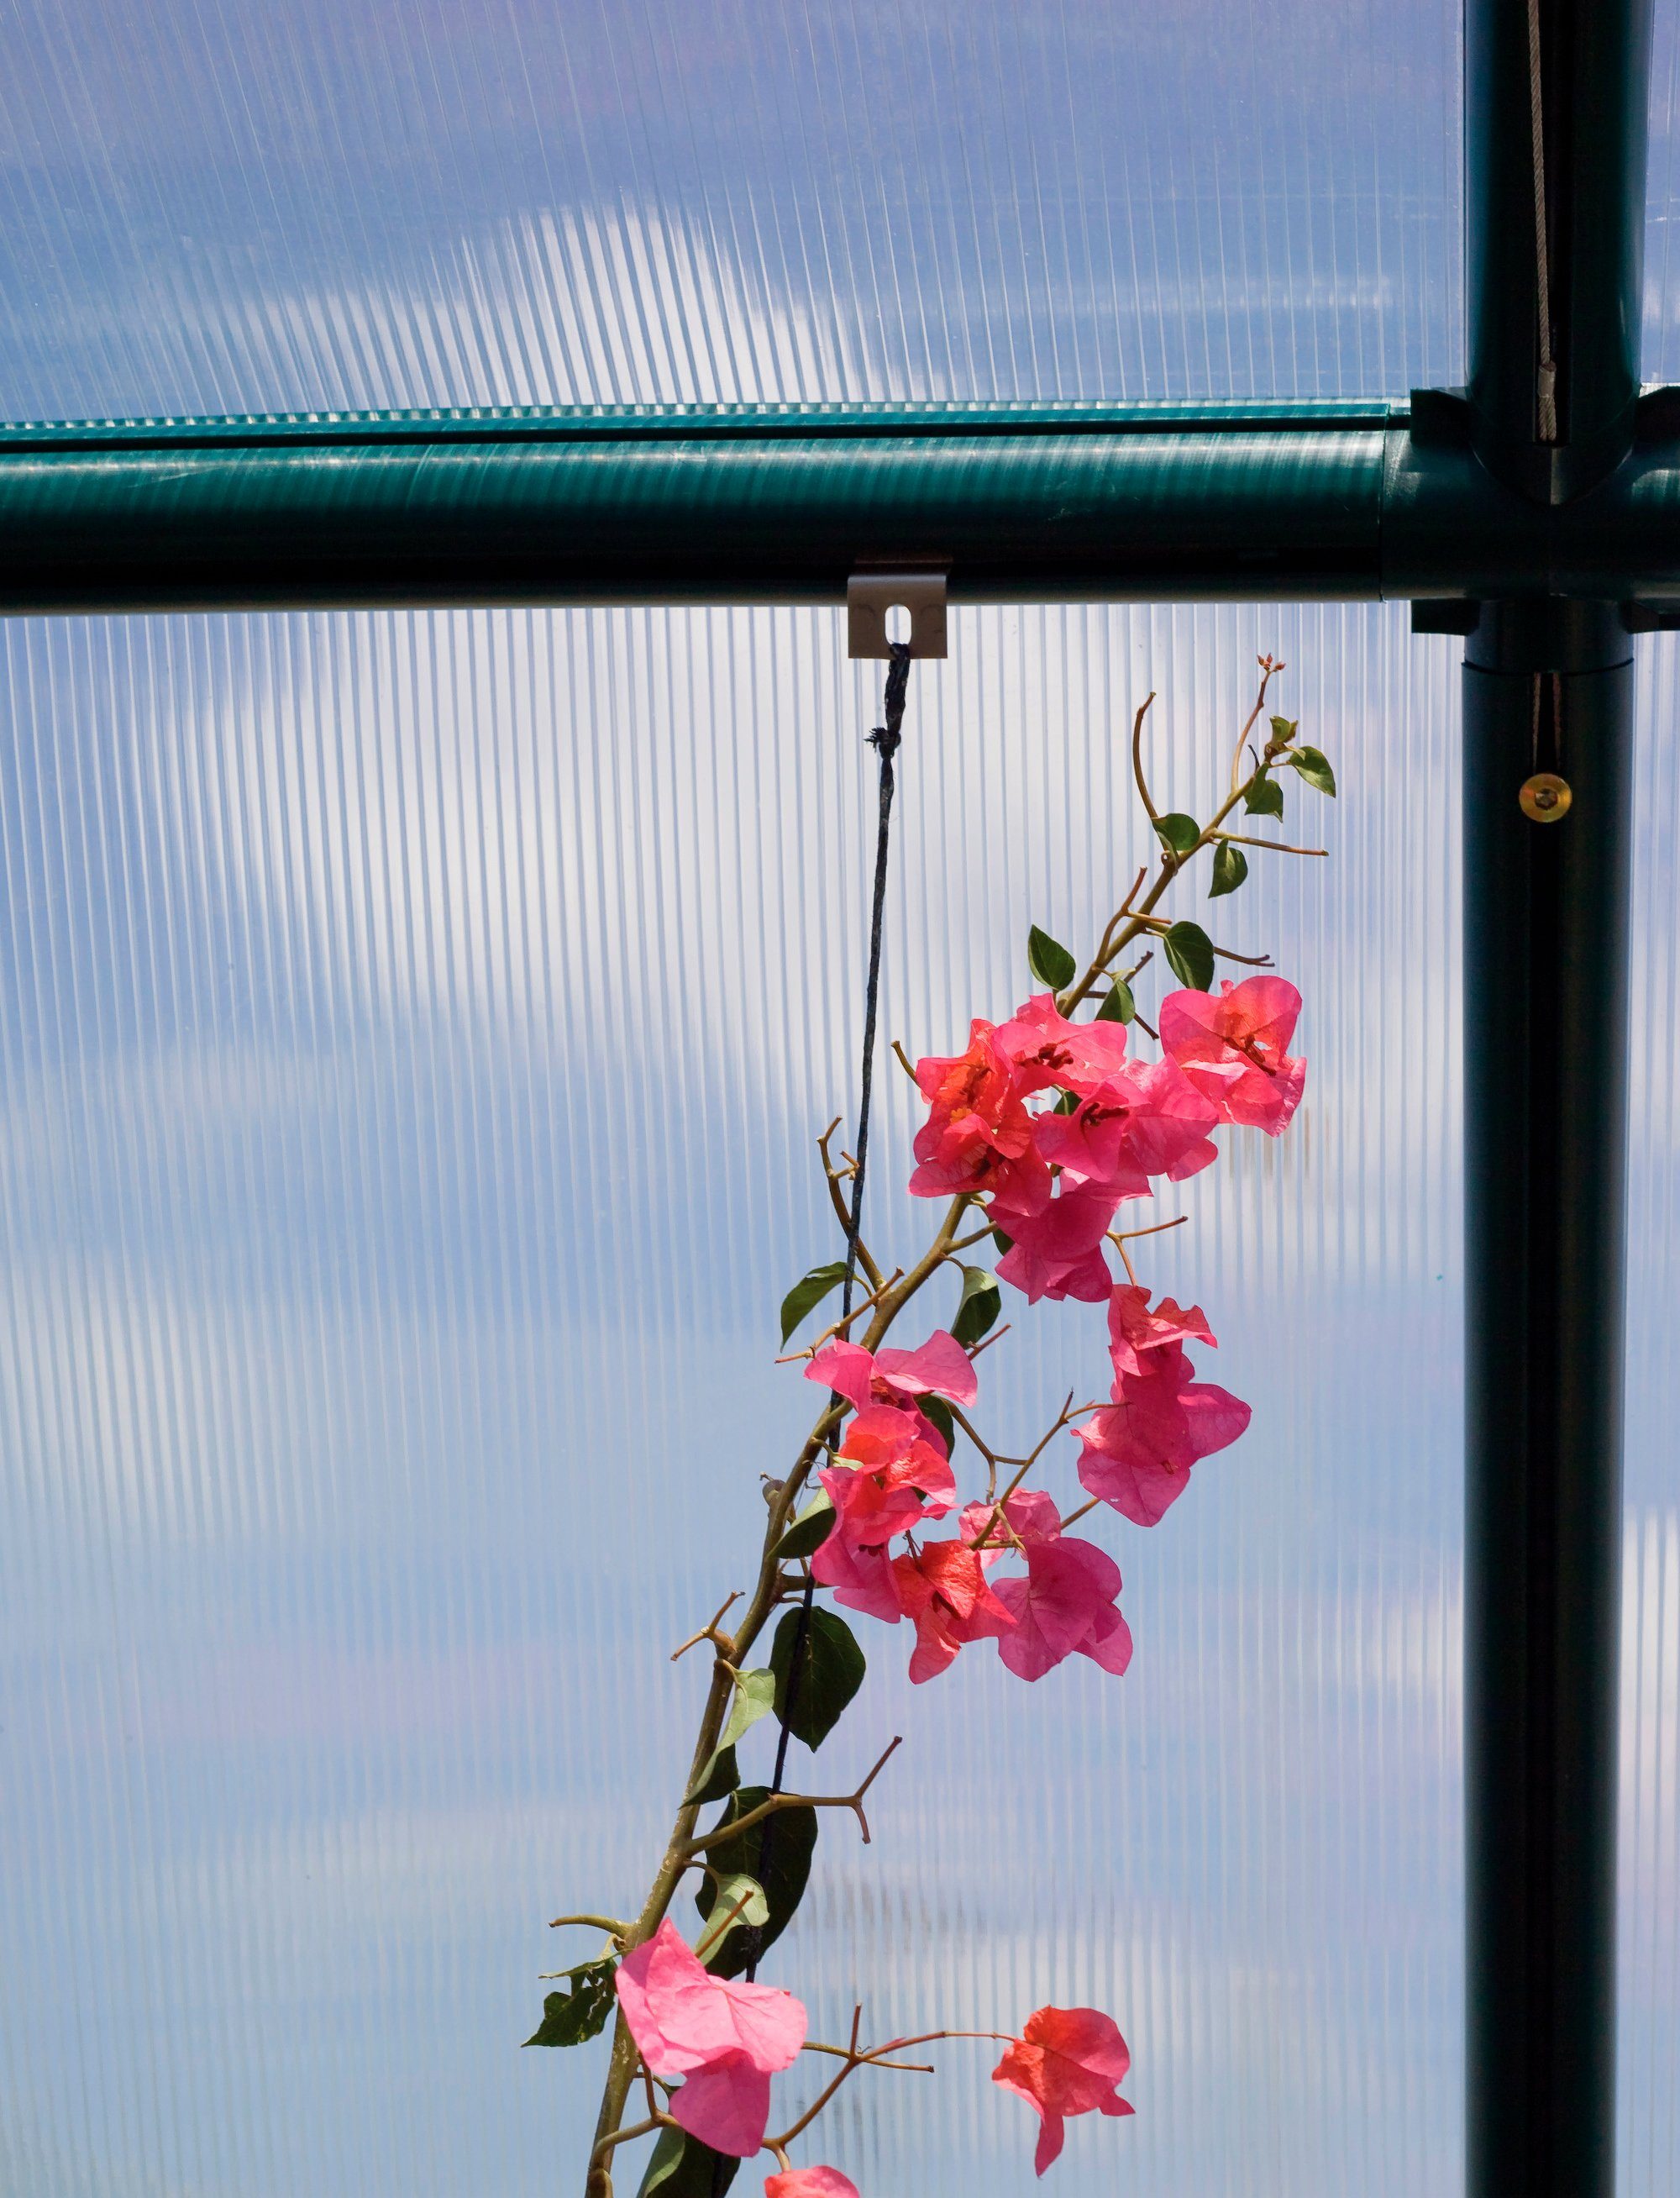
[1314,768]
[1265,797]
[1120,1007]
[783,1873]
[808,1532]
[937,1409]
[1050,961]
[683,2167]
[979,1307]
[810,1290]
[1284,728]
[1005,1244]
[812,1693]
[1230,867]
[570,2017]
[717,1781]
[755,1697]
[1177,831]
[1189,951]
[746,1897]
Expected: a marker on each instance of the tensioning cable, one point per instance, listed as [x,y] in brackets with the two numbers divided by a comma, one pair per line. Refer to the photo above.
[884,740]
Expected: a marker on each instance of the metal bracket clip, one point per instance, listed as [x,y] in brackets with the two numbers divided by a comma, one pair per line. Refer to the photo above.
[874,590]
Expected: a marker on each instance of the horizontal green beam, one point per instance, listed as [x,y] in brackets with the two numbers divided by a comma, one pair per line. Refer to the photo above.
[780,503]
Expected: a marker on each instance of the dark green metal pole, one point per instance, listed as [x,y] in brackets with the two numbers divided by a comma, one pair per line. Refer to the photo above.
[1547,695]
[1545,1027]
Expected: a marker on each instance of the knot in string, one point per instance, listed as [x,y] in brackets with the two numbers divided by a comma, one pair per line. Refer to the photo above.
[884,738]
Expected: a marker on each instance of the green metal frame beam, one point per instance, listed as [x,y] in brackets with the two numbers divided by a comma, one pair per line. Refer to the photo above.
[1139,503]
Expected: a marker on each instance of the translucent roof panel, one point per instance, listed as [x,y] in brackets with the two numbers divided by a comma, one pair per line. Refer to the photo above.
[333,203]
[1661,356]
[413,1034]
[1648,2008]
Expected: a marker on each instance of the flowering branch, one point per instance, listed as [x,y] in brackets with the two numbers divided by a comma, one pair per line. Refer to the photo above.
[1037,1133]
[1172,861]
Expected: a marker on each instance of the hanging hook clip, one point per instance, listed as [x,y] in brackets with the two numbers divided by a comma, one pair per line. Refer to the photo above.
[917,585]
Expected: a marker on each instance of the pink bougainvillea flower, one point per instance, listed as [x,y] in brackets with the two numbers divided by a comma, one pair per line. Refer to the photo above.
[1168,1133]
[1133,1330]
[860,1576]
[1068,2061]
[1232,1047]
[889,1476]
[1043,1047]
[726,2039]
[1147,1120]
[882,1439]
[1058,1252]
[1138,1450]
[940,1367]
[1032,1514]
[1065,1604]
[853,1561]
[1094,1144]
[941,1589]
[810,2182]
[978,1135]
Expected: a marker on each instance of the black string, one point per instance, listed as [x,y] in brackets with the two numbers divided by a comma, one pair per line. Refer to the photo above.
[884,740]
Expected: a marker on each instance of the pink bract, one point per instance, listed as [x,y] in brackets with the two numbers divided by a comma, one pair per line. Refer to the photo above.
[1043,1047]
[1138,1450]
[1068,2061]
[941,1589]
[940,1367]
[888,1478]
[1065,1606]
[1065,1603]
[1058,1253]
[861,1578]
[727,2039]
[1146,1120]
[978,1135]
[1169,1133]
[1032,1516]
[1093,1145]
[880,1440]
[810,2182]
[1232,1047]
[1133,1330]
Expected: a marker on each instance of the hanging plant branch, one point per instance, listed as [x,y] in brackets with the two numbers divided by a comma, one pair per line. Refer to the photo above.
[1034,1138]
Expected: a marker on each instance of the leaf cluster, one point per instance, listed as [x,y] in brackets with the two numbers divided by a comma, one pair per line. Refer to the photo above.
[580,2012]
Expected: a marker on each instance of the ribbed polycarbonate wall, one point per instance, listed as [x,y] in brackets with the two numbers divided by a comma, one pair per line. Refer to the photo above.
[1649,2134]
[415,1031]
[216,207]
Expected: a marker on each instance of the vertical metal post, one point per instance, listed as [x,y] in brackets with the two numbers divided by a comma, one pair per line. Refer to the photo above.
[1554,316]
[1545,1027]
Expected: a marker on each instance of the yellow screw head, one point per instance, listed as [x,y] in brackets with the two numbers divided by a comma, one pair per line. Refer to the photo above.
[1545,798]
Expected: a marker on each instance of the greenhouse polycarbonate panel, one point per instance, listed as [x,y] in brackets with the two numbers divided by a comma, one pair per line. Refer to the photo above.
[1648,2131]
[328,203]
[413,1033]
[1661,356]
